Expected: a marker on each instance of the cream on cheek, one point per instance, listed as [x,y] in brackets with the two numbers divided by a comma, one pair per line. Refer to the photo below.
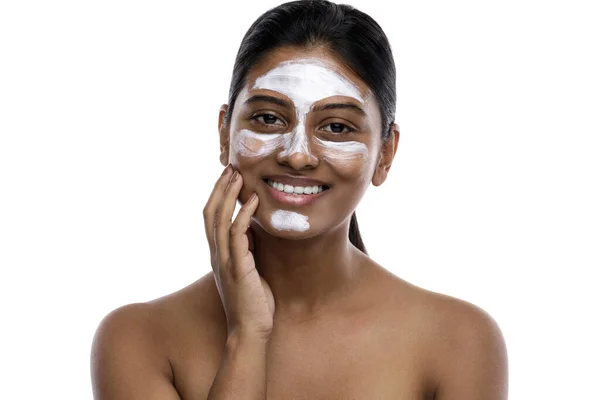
[344,155]
[305,82]
[252,144]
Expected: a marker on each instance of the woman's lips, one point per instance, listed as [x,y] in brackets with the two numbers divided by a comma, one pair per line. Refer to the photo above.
[294,199]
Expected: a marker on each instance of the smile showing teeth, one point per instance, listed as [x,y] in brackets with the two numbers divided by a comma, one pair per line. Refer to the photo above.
[295,189]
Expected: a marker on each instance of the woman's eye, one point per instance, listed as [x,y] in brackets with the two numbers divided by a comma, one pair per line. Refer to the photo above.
[267,119]
[339,128]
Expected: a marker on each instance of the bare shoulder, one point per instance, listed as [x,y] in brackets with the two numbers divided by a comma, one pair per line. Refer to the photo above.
[155,321]
[458,345]
[134,345]
[190,316]
[128,359]
[125,330]
[452,317]
[465,347]
[451,321]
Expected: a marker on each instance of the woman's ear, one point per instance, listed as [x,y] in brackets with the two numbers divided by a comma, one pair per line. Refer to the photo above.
[386,156]
[223,135]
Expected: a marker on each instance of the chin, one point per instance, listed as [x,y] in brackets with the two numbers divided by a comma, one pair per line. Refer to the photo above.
[285,224]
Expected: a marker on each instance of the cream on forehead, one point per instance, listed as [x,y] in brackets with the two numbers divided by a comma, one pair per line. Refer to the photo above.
[289,221]
[306,81]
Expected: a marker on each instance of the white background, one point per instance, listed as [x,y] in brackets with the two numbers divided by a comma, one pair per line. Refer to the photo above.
[109,150]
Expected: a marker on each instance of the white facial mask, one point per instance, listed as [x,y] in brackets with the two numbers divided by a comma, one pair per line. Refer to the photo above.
[305,82]
[289,221]
[252,144]
[342,152]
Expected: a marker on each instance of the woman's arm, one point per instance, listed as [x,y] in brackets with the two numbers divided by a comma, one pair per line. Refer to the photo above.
[242,374]
[126,360]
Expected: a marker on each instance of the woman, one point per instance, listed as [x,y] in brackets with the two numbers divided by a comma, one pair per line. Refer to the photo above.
[294,307]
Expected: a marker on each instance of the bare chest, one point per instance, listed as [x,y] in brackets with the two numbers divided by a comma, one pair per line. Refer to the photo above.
[348,361]
[355,366]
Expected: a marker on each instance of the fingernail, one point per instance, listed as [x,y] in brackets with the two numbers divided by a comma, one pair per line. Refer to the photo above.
[235,176]
[253,197]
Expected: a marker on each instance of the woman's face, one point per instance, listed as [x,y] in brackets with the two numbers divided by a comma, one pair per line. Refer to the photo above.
[303,124]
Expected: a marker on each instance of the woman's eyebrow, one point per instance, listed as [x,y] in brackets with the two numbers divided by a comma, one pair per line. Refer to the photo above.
[330,106]
[269,99]
[288,104]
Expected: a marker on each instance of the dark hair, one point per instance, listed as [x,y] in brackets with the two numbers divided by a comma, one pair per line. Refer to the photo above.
[352,36]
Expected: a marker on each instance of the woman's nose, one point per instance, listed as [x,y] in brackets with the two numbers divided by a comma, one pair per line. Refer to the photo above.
[299,160]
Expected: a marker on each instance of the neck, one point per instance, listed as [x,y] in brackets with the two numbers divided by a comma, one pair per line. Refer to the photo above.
[307,276]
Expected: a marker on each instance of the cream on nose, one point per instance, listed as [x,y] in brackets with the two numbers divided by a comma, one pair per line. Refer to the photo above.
[297,151]
[296,141]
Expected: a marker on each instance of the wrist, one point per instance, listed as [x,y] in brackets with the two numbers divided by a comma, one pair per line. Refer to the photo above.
[244,338]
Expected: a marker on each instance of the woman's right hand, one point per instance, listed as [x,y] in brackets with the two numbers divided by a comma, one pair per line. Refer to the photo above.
[246,296]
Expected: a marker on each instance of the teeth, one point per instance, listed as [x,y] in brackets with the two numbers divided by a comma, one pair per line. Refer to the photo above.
[295,189]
